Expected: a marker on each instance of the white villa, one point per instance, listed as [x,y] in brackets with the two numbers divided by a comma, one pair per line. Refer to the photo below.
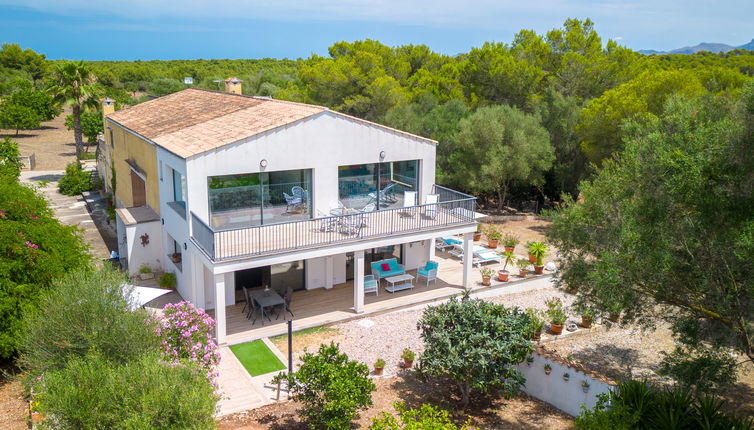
[230,192]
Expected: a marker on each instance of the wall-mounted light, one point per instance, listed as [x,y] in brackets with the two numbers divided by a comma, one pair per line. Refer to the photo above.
[163,221]
[184,245]
[263,163]
[382,155]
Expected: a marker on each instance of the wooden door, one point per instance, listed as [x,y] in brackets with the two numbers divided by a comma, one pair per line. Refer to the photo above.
[138,190]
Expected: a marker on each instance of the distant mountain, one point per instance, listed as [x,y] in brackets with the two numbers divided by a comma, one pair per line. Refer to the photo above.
[711,47]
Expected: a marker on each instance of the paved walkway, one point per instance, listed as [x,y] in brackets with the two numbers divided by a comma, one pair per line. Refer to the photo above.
[72,210]
[238,390]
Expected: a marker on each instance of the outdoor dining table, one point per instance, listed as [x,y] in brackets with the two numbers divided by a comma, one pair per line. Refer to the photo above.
[267,299]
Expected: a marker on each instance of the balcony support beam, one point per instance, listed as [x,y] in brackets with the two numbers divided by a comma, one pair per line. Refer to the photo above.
[358,281]
[220,308]
[468,259]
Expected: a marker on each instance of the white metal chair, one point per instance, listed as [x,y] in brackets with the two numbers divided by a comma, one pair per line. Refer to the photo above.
[431,211]
[409,202]
[371,285]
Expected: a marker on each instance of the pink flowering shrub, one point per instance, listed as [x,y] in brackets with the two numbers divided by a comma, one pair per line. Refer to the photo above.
[186,333]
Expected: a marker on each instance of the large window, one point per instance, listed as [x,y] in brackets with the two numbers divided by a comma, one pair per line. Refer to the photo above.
[178,188]
[259,198]
[381,184]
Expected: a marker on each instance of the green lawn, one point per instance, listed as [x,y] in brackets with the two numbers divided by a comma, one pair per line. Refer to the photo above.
[257,358]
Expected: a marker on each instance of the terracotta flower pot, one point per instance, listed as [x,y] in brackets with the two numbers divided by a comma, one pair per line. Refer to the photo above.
[571,291]
[509,248]
[556,329]
[378,370]
[539,269]
[522,273]
[486,281]
[548,371]
[492,243]
[532,259]
[477,237]
[586,322]
[502,275]
[407,364]
[613,317]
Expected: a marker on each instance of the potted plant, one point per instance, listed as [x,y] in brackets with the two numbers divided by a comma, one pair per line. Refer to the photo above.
[522,264]
[585,385]
[175,257]
[510,241]
[379,366]
[539,251]
[587,315]
[487,276]
[503,274]
[145,272]
[408,358]
[529,360]
[536,323]
[548,369]
[478,233]
[556,315]
[493,237]
[532,258]
[566,376]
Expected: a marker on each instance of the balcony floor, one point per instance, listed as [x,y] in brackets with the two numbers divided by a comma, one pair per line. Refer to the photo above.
[276,238]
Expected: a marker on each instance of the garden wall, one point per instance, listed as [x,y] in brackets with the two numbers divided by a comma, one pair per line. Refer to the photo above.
[568,396]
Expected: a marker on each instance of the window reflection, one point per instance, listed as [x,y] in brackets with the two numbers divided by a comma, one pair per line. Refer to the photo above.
[378,184]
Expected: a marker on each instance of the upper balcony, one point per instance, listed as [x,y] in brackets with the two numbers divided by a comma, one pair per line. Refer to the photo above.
[452,209]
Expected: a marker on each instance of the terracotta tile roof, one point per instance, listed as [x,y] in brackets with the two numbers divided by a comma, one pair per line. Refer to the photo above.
[193,121]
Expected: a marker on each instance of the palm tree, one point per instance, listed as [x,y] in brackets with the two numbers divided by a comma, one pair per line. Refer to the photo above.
[74,85]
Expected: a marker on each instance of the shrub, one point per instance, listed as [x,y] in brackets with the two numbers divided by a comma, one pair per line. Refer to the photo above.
[637,405]
[84,312]
[476,343]
[555,311]
[36,250]
[93,393]
[331,387]
[426,417]
[75,181]
[10,165]
[168,280]
[186,333]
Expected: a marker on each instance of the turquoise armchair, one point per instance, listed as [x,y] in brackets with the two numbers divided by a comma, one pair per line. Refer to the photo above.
[429,272]
[371,285]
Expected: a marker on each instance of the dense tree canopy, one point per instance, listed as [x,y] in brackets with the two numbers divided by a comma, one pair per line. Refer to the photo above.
[666,230]
[579,86]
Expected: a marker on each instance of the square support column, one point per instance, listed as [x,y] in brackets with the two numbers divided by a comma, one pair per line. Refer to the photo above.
[329,275]
[358,281]
[468,258]
[220,308]
[431,251]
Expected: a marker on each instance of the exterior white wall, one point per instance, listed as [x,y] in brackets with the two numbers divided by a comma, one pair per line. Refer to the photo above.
[174,224]
[150,254]
[321,143]
[566,396]
[209,290]
[316,273]
[415,254]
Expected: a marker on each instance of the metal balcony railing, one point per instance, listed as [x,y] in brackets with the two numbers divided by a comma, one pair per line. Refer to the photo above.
[452,209]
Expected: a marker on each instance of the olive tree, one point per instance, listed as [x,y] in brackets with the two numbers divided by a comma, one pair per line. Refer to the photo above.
[475,343]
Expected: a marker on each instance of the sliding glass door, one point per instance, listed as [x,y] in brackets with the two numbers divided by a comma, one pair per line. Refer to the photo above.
[378,184]
[259,198]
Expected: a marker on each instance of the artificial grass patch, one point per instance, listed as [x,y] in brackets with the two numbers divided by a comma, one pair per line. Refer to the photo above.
[257,358]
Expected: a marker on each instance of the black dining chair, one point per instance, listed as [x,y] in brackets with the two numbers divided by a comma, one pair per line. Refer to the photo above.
[288,297]
[254,309]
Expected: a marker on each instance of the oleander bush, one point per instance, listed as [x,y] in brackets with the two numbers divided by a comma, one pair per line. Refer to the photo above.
[186,336]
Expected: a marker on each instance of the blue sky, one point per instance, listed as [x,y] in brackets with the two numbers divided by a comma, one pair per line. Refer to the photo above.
[155,29]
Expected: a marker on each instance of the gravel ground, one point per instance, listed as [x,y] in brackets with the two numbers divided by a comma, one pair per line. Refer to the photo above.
[393,332]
